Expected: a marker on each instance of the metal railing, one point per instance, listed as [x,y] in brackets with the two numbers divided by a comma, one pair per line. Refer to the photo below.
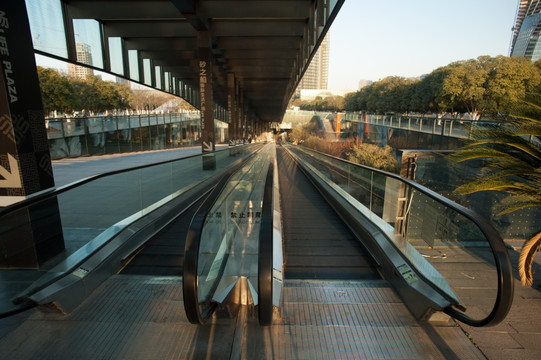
[440,243]
[79,136]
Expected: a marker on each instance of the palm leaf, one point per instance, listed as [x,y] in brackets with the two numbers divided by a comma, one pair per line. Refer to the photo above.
[525,259]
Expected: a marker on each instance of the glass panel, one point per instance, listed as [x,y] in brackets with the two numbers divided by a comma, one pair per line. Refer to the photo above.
[54,128]
[167,81]
[158,72]
[332,5]
[74,127]
[133,60]
[229,246]
[94,125]
[147,72]
[135,122]
[88,42]
[47,26]
[461,128]
[457,249]
[123,122]
[109,123]
[91,215]
[115,55]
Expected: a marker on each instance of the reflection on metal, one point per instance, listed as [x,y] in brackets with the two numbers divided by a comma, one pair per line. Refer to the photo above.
[277,243]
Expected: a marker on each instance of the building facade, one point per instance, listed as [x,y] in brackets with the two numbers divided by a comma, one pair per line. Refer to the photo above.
[84,55]
[526,41]
[317,74]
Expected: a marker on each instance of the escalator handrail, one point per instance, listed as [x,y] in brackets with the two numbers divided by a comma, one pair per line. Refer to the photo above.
[505,292]
[192,245]
[265,257]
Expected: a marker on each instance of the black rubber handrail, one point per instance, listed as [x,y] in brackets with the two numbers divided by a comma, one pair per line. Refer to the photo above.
[191,255]
[505,292]
[266,252]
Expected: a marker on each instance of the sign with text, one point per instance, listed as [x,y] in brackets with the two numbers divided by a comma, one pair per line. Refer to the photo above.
[25,164]
[206,105]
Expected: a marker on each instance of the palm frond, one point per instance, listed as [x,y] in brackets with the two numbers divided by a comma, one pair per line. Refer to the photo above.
[525,259]
[511,143]
[513,203]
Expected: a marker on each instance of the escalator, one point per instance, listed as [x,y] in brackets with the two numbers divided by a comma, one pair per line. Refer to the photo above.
[437,255]
[343,224]
[105,220]
[163,254]
[336,283]
[318,245]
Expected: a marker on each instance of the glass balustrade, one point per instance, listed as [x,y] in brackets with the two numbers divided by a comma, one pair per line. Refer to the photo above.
[450,246]
[79,136]
[229,244]
[92,213]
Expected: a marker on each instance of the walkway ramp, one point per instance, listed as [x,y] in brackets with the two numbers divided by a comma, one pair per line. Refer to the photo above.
[142,317]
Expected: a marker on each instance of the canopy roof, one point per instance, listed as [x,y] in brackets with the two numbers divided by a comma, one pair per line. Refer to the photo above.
[266,44]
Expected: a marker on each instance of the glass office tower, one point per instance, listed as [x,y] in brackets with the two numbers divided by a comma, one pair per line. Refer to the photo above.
[526,41]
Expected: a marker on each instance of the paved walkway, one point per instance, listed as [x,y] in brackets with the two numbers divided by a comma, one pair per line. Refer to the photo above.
[142,317]
[69,170]
[519,335]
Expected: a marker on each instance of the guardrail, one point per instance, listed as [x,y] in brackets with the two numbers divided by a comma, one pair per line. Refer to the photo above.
[79,136]
[459,128]
[437,243]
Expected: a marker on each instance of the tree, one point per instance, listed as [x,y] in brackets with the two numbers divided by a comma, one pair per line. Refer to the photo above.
[373,156]
[351,101]
[87,94]
[427,94]
[512,154]
[509,80]
[56,91]
[96,95]
[488,85]
[463,87]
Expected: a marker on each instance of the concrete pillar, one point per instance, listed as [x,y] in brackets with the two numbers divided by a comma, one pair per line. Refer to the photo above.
[25,162]
[208,142]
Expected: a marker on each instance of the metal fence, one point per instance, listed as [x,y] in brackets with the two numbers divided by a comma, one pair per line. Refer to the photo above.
[80,136]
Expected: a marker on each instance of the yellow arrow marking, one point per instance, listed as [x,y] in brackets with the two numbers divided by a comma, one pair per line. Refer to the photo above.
[11,179]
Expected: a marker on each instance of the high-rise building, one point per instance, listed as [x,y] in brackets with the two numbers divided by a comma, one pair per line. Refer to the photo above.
[84,56]
[317,74]
[526,41]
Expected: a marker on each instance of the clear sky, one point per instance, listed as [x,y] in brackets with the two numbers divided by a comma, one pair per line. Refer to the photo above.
[372,39]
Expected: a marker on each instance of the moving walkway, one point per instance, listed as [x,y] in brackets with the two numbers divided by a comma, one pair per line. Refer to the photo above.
[275,229]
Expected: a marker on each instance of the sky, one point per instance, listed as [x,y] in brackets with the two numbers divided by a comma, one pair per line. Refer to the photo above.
[371,40]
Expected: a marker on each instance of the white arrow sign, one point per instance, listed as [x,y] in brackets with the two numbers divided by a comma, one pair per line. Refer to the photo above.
[11,179]
[207,147]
